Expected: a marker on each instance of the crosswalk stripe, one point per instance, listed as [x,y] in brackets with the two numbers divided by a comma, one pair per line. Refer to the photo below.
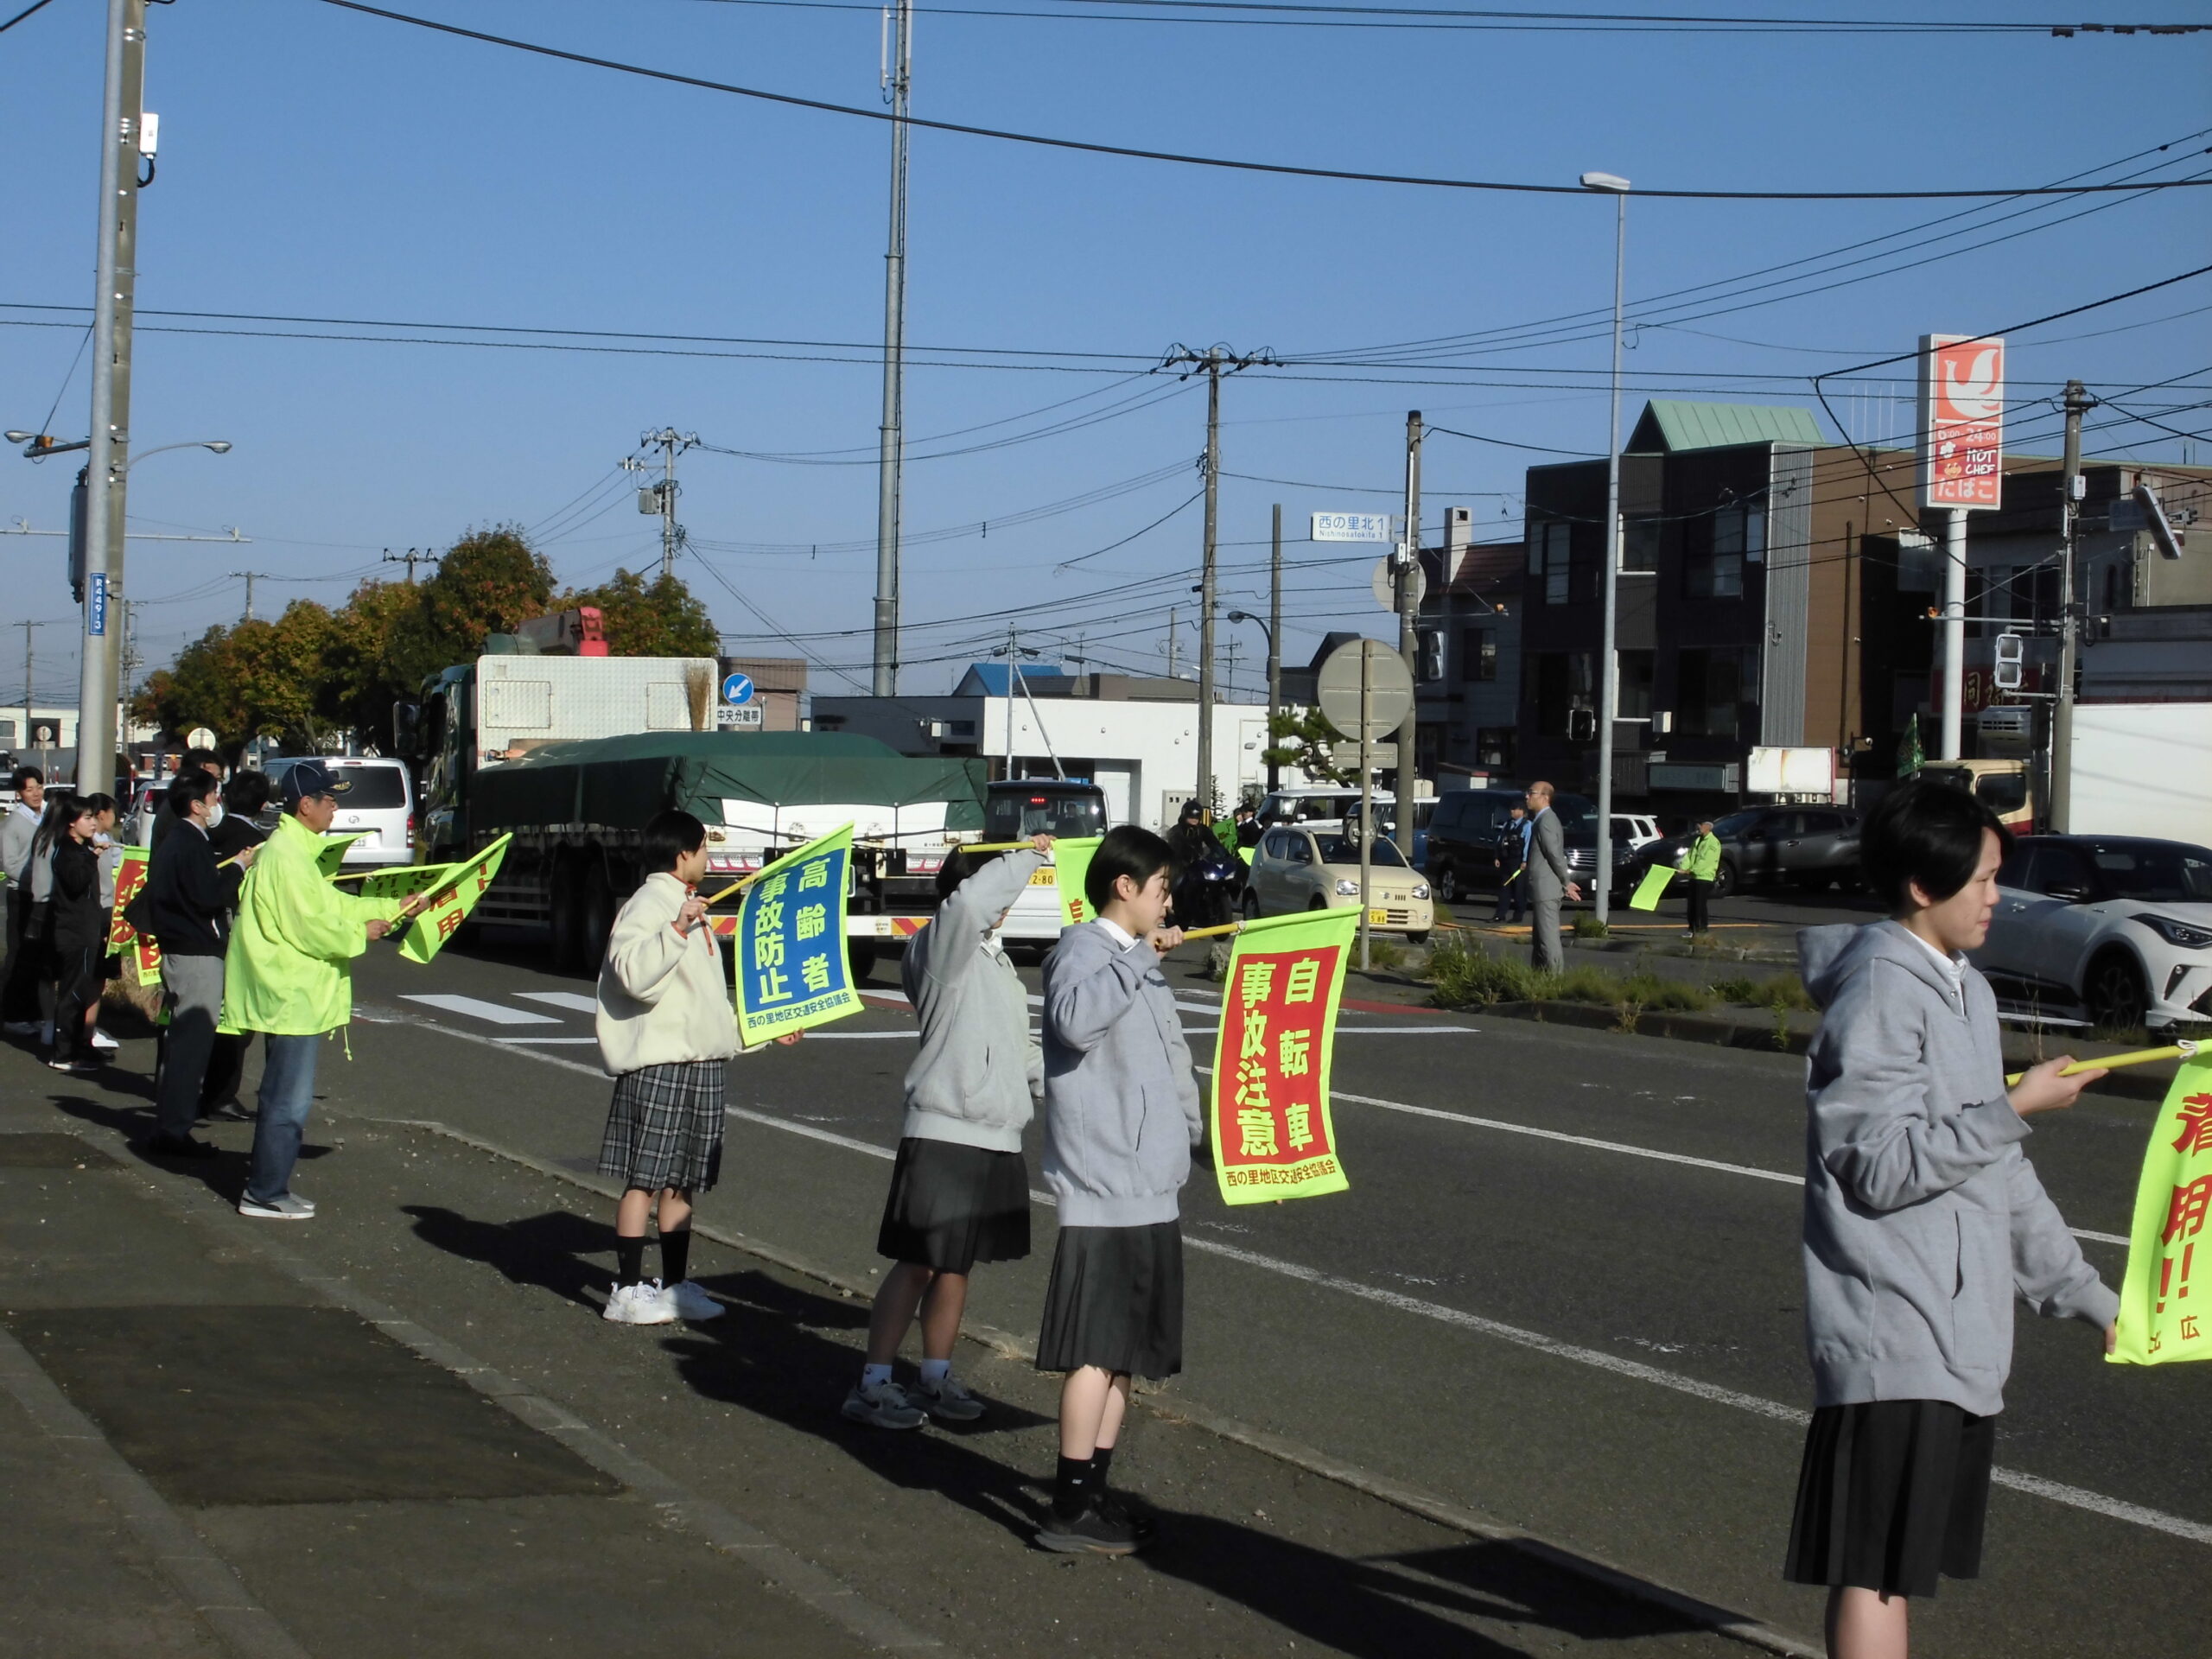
[496,1013]
[573,1000]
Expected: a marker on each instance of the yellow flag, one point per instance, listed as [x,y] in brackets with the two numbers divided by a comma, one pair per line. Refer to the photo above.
[1273,1134]
[1654,884]
[2165,1311]
[456,895]
[1071,863]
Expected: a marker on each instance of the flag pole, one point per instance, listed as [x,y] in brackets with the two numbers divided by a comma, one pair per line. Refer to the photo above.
[2180,1051]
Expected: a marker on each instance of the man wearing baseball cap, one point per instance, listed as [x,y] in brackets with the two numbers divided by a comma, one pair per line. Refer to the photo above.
[289,975]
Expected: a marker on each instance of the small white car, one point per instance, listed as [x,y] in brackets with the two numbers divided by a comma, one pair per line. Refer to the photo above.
[2112,932]
[1636,830]
[376,802]
[1295,867]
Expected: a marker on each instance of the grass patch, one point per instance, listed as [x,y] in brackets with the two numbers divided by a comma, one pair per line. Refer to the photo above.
[1591,927]
[1737,988]
[1466,978]
[1649,990]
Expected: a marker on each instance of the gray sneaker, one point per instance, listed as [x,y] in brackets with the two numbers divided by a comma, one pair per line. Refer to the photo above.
[948,1400]
[285,1206]
[884,1406]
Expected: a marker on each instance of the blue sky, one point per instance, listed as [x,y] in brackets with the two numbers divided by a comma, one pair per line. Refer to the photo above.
[319,163]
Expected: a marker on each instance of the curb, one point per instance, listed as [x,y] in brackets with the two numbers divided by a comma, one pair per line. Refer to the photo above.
[1168,1407]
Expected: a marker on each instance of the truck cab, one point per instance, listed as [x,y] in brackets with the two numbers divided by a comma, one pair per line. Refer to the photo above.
[2007,788]
[1016,810]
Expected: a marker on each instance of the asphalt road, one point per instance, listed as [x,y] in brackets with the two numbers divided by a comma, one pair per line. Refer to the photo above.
[1563,1290]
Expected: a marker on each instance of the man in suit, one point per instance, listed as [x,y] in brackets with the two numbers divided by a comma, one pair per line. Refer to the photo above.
[1547,878]
[1512,867]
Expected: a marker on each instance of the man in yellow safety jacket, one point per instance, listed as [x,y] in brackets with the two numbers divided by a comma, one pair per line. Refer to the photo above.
[1704,870]
[288,973]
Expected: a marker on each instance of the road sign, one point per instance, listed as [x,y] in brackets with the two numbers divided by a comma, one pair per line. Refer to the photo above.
[740,717]
[1389,689]
[1961,421]
[1352,527]
[1383,756]
[199,738]
[738,688]
[1384,582]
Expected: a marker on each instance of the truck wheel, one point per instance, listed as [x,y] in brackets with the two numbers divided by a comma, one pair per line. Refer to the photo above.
[598,914]
[2114,994]
[860,955]
[567,905]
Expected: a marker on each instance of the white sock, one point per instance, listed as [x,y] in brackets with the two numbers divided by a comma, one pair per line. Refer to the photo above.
[934,1372]
[871,1375]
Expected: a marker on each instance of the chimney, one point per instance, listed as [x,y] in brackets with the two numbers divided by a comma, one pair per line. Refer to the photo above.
[1459,536]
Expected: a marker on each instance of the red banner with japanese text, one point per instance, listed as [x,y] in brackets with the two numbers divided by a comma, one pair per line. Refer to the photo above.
[130,877]
[1273,1134]
[2165,1310]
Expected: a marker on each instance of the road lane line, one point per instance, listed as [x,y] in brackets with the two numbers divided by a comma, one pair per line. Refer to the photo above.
[571,1041]
[2035,1485]
[575,1000]
[496,1013]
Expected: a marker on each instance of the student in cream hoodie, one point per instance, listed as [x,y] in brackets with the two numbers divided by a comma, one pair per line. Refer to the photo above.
[1924,1222]
[667,1030]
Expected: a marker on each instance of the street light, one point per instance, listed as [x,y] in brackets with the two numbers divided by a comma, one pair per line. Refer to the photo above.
[220,446]
[1609,665]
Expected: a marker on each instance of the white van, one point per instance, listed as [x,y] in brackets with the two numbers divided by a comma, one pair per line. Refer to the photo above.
[376,800]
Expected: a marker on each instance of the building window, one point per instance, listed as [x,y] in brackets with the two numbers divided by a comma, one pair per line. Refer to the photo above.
[1549,561]
[1634,701]
[1720,546]
[1477,655]
[2111,586]
[1494,748]
[1712,691]
[1559,682]
[1640,545]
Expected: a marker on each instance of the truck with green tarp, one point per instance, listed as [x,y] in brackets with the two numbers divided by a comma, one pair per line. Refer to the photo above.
[576,810]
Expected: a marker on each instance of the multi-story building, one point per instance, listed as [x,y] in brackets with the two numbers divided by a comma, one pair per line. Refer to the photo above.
[1467,700]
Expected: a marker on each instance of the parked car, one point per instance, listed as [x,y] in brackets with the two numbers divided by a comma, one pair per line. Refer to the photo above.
[376,800]
[1637,829]
[1386,813]
[1810,847]
[2110,930]
[1327,805]
[1296,868]
[1462,849]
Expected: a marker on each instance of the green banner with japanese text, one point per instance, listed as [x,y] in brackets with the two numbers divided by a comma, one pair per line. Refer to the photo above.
[1273,1134]
[2165,1311]
[452,898]
[793,972]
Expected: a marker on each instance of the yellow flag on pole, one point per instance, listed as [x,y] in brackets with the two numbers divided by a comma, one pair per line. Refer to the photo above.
[1649,890]
[1273,1134]
[2165,1311]
[455,896]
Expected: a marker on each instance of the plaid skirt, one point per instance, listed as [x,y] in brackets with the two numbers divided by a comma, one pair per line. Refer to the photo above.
[664,1127]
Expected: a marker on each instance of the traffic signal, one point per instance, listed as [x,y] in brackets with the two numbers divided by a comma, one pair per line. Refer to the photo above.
[1431,656]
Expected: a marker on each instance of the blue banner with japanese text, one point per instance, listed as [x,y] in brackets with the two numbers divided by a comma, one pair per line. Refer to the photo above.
[793,972]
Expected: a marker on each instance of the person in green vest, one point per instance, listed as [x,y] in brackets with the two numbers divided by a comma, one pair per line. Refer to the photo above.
[288,973]
[1704,869]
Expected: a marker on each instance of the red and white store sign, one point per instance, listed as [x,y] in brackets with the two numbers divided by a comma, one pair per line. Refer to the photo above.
[1961,421]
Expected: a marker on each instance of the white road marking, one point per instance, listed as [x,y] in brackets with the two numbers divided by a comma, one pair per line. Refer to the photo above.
[2035,1485]
[817,1035]
[496,1013]
[898,998]
[574,1000]
[572,1041]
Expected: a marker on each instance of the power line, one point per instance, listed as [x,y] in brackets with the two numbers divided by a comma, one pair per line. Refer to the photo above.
[1230,164]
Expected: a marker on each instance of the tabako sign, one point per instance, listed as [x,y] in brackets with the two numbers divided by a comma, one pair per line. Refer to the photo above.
[1961,421]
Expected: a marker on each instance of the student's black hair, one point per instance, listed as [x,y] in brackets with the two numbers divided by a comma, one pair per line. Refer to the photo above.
[205,760]
[26,775]
[63,808]
[1125,849]
[96,805]
[669,834]
[188,787]
[957,867]
[247,792]
[1928,834]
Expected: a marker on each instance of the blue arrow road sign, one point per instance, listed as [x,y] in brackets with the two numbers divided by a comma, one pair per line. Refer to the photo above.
[738,688]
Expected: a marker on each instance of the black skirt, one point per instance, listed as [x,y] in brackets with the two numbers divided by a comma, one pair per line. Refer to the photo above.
[1891,1494]
[951,1207]
[1116,1301]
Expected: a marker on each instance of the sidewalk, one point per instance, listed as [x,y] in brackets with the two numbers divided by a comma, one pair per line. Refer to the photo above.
[402,1427]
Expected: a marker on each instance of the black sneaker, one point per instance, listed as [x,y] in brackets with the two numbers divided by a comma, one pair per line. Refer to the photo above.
[1142,1527]
[1092,1532]
[182,1146]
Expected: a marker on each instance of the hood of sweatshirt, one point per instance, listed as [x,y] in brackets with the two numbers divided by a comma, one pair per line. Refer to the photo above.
[1826,957]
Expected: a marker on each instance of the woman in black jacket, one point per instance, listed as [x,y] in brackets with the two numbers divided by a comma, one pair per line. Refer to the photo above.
[76,931]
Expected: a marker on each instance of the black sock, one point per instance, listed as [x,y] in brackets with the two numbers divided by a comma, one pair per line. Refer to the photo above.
[675,1255]
[629,1261]
[1073,1487]
[1100,1460]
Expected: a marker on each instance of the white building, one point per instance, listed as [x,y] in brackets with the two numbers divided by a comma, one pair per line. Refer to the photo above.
[1137,739]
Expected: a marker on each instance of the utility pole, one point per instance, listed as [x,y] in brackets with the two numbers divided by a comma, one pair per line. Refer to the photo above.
[28,692]
[250,577]
[1171,613]
[897,82]
[1409,638]
[1275,651]
[122,121]
[410,558]
[1211,363]
[658,498]
[2078,403]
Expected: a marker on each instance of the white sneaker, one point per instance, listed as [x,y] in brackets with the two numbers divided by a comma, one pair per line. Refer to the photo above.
[285,1206]
[692,1303]
[948,1400]
[104,1043]
[884,1406]
[639,1304]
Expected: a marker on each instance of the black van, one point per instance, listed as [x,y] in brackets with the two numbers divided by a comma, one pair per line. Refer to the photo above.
[1463,838]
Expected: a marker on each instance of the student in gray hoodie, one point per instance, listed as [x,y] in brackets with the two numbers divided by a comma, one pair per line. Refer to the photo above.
[959,1190]
[1121,1118]
[1923,1220]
